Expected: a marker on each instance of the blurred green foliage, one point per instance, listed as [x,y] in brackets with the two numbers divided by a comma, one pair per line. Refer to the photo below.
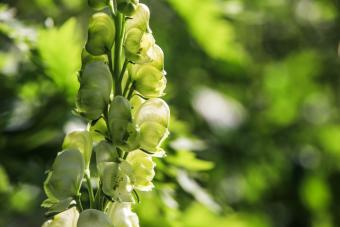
[253,87]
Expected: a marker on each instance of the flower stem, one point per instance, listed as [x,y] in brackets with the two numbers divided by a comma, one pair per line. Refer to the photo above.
[132,89]
[79,205]
[117,52]
[90,190]
[126,62]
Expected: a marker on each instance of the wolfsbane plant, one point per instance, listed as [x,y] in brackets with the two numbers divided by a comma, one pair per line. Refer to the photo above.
[121,81]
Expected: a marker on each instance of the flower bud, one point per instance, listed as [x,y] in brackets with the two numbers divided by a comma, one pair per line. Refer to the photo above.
[65,176]
[92,217]
[98,4]
[149,81]
[95,89]
[119,118]
[101,34]
[121,215]
[127,6]
[82,141]
[142,170]
[67,218]
[155,110]
[139,19]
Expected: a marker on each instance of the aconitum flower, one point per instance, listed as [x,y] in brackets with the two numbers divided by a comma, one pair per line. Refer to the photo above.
[68,218]
[121,215]
[142,170]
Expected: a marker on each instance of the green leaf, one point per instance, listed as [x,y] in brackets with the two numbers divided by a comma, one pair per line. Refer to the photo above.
[60,51]
[212,31]
[4,181]
[188,160]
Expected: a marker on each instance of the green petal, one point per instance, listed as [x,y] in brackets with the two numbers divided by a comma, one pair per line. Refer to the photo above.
[152,134]
[116,182]
[119,119]
[121,215]
[67,218]
[150,81]
[86,58]
[157,56]
[136,101]
[95,89]
[82,141]
[56,207]
[101,34]
[105,152]
[138,46]
[109,177]
[155,110]
[142,170]
[139,19]
[64,179]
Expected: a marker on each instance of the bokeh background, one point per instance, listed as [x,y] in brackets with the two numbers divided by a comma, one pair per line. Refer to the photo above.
[254,90]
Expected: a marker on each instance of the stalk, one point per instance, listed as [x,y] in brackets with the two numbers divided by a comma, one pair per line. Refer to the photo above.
[90,190]
[117,52]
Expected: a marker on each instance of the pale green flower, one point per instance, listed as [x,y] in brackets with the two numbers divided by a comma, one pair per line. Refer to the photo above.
[119,118]
[101,34]
[149,81]
[152,118]
[64,179]
[121,215]
[155,110]
[116,182]
[93,218]
[142,170]
[95,89]
[137,46]
[68,218]
[136,101]
[139,19]
[82,141]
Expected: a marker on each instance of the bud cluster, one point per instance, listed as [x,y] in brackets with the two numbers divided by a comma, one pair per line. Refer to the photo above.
[122,80]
